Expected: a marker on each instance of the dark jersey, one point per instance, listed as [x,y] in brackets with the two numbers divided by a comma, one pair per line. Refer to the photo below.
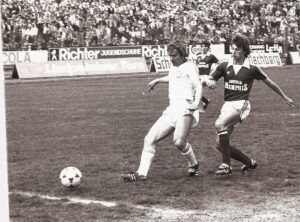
[237,86]
[204,63]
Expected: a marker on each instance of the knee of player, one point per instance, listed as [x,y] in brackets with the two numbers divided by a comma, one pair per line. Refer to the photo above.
[179,143]
[220,125]
[149,149]
[149,140]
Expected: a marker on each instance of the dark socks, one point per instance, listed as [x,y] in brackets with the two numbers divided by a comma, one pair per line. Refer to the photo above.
[204,99]
[237,155]
[225,148]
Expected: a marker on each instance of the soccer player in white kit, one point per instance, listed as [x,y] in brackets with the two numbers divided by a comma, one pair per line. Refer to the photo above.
[185,92]
[238,75]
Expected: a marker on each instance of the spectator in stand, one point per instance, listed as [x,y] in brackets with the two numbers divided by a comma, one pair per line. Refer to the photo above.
[13,45]
[255,17]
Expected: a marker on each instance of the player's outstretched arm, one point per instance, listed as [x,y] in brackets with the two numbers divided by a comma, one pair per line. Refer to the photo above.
[153,83]
[272,85]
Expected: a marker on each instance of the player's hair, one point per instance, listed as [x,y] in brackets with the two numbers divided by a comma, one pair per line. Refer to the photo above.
[241,41]
[206,43]
[179,46]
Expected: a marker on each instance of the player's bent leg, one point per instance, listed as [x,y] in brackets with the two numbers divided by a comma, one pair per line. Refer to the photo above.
[158,131]
[181,132]
[240,156]
[235,153]
[224,125]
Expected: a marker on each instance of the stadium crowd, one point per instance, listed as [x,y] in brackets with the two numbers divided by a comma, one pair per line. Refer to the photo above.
[43,24]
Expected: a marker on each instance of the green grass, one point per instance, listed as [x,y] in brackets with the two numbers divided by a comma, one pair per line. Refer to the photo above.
[98,125]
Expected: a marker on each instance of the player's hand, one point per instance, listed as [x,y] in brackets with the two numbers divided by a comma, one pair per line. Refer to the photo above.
[152,84]
[211,84]
[289,101]
[208,82]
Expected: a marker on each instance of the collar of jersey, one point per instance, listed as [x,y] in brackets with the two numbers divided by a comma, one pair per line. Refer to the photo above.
[246,63]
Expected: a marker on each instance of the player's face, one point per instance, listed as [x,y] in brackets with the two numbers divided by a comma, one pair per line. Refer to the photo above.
[204,49]
[176,57]
[238,53]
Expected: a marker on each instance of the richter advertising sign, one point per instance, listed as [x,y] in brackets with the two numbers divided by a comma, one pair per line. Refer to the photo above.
[89,53]
[150,51]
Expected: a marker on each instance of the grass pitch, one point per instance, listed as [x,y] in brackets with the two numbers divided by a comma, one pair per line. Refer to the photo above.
[98,125]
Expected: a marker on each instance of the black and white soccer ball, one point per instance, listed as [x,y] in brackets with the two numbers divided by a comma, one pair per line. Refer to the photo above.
[70,177]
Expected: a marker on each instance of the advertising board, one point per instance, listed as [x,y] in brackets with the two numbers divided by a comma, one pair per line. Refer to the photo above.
[160,64]
[13,57]
[295,57]
[265,59]
[49,69]
[80,68]
[90,53]
[115,66]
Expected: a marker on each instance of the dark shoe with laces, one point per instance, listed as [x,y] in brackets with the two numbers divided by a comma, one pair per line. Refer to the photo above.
[194,170]
[133,177]
[205,105]
[248,168]
[223,169]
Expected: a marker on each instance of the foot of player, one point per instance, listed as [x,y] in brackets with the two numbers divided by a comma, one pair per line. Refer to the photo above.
[223,170]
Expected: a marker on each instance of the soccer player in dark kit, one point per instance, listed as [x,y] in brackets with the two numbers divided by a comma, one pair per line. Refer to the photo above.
[238,76]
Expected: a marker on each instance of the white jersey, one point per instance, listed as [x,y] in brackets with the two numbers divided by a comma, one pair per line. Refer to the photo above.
[182,82]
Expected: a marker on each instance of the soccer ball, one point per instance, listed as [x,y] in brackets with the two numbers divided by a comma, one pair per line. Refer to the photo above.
[70,177]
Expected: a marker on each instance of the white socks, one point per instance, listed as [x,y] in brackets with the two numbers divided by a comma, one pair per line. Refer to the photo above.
[189,154]
[148,156]
[145,163]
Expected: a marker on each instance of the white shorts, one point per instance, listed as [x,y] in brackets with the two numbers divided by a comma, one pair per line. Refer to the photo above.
[174,112]
[242,106]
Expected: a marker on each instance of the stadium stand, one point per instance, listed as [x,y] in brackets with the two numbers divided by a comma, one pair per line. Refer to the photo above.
[43,24]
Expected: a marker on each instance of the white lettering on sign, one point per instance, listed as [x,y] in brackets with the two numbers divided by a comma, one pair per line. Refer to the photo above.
[78,54]
[265,59]
[162,64]
[274,48]
[154,50]
[64,54]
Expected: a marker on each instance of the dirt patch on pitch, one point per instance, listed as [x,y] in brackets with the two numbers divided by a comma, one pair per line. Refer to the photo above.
[275,209]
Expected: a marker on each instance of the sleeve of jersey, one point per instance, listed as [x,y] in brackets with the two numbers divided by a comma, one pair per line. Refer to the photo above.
[218,73]
[259,74]
[214,59]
